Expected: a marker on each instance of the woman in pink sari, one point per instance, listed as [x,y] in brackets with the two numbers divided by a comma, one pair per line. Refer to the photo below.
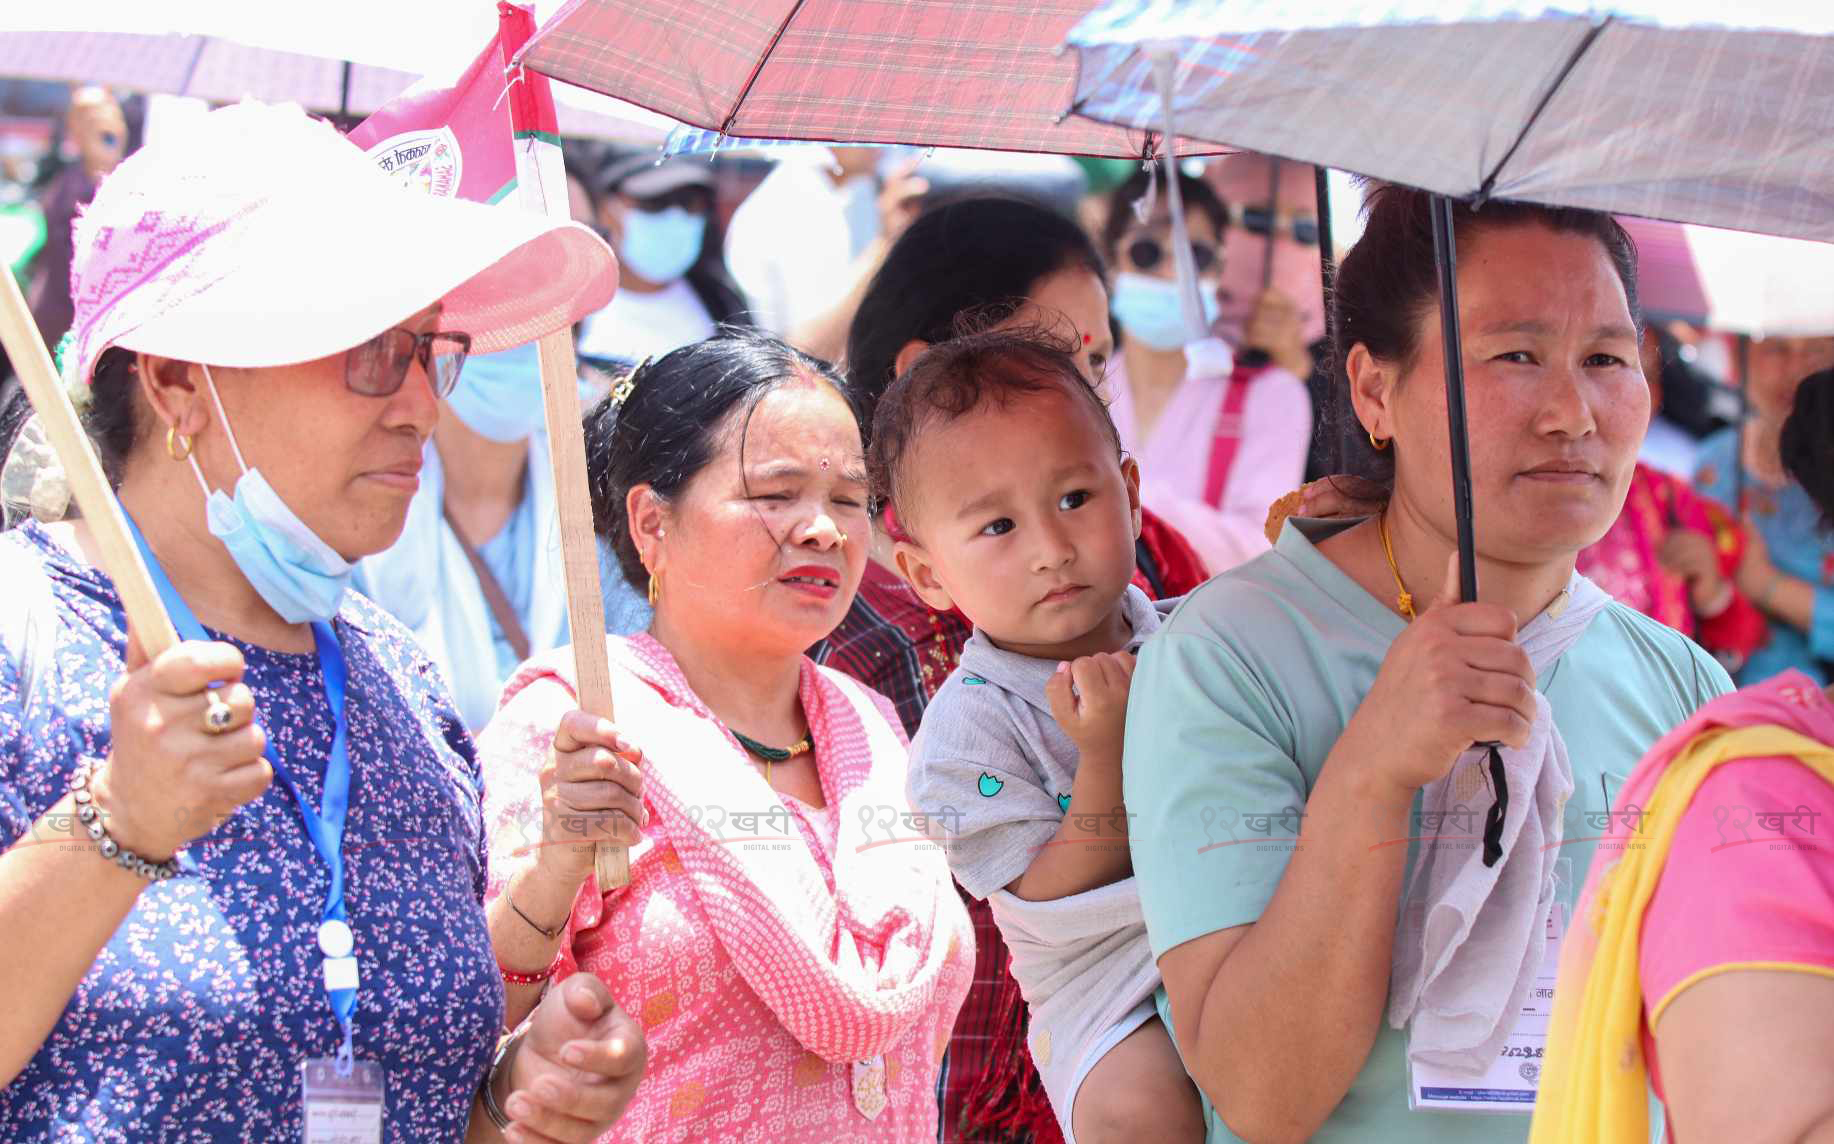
[794,952]
[1673,555]
[1702,958]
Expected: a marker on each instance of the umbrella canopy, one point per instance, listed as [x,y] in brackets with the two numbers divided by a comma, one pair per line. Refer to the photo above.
[351,56]
[206,67]
[1670,109]
[1740,283]
[942,73]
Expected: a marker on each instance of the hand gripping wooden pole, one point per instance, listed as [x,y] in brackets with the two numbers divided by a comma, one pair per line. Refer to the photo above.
[579,556]
[146,616]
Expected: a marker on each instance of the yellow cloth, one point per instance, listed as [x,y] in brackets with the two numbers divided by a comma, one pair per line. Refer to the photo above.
[1594,1081]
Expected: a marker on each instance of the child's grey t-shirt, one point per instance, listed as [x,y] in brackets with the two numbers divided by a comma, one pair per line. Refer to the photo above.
[992,771]
[990,765]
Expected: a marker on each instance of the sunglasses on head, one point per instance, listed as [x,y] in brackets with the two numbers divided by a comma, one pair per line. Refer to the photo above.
[1146,253]
[1263,222]
[379,366]
[694,200]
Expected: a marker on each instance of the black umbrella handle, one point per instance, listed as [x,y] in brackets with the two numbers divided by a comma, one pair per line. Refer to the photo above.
[1327,253]
[1445,254]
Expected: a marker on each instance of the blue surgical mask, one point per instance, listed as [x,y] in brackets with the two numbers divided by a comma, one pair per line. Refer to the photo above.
[660,246]
[499,395]
[296,572]
[1151,310]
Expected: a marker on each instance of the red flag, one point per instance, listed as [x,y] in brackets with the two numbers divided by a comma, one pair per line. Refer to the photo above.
[458,140]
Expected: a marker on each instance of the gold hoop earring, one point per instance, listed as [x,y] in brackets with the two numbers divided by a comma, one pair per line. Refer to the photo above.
[655,589]
[178,446]
[1377,443]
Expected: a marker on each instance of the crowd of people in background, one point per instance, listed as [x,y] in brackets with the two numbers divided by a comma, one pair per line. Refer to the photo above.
[923,516]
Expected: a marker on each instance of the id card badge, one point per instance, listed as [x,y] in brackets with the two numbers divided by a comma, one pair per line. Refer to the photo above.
[342,1109]
[1514,1077]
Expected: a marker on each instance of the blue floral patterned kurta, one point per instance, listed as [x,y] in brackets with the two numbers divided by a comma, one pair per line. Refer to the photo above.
[192,1023]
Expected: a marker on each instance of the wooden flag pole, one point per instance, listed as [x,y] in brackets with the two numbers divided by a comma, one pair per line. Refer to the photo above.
[541,186]
[146,615]
[579,555]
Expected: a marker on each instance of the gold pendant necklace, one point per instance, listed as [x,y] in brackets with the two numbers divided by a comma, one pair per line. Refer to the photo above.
[1404,600]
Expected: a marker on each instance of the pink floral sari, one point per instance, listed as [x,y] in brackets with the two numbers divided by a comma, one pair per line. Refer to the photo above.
[797,972]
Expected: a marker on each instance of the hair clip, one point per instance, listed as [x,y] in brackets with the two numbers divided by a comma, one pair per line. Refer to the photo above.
[628,382]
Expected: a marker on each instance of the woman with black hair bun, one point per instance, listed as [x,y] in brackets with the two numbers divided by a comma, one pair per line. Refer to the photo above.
[1336,685]
[774,916]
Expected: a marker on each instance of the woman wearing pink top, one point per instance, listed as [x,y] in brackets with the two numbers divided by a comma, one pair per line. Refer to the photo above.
[1218,439]
[795,953]
[1704,955]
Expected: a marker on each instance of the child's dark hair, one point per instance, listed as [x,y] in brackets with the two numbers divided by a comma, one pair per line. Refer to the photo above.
[1199,198]
[670,423]
[1808,442]
[1389,281]
[955,377]
[965,257]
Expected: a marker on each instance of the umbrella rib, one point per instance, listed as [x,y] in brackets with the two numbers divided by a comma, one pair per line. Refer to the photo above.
[758,68]
[1483,192]
[197,57]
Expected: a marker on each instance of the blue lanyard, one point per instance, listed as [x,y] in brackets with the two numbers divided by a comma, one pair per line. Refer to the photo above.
[326,827]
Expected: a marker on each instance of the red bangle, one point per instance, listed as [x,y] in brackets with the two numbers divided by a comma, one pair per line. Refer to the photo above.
[512,977]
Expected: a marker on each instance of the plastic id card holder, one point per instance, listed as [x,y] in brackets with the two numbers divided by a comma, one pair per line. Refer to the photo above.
[1510,1083]
[342,1109]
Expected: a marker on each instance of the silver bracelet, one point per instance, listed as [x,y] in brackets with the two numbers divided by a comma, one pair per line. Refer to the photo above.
[489,1094]
[91,818]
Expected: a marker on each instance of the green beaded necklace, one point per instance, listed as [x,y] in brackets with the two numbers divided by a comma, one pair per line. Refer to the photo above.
[775,754]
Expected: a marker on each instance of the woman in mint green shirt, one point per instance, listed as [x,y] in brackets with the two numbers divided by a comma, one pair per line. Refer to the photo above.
[1315,690]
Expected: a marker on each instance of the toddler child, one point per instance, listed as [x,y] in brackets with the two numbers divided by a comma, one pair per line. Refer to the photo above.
[1020,510]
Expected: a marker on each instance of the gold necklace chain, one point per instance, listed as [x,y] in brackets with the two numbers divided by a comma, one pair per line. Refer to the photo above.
[1404,600]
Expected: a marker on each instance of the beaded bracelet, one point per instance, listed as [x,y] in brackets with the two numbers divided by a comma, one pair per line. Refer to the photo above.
[513,977]
[91,818]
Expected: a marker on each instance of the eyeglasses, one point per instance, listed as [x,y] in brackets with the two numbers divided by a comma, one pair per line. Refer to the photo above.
[379,366]
[1147,252]
[1261,221]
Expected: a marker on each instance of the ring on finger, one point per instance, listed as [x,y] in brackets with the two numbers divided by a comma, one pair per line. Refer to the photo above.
[218,715]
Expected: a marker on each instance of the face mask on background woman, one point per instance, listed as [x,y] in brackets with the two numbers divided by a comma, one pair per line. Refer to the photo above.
[499,395]
[1149,309]
[660,246]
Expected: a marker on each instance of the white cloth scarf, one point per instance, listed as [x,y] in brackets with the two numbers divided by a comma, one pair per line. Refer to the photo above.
[1471,937]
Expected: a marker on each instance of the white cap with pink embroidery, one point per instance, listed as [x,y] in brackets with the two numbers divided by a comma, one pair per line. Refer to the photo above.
[261,237]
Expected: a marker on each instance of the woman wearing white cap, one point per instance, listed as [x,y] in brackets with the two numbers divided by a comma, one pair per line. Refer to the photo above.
[259,915]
